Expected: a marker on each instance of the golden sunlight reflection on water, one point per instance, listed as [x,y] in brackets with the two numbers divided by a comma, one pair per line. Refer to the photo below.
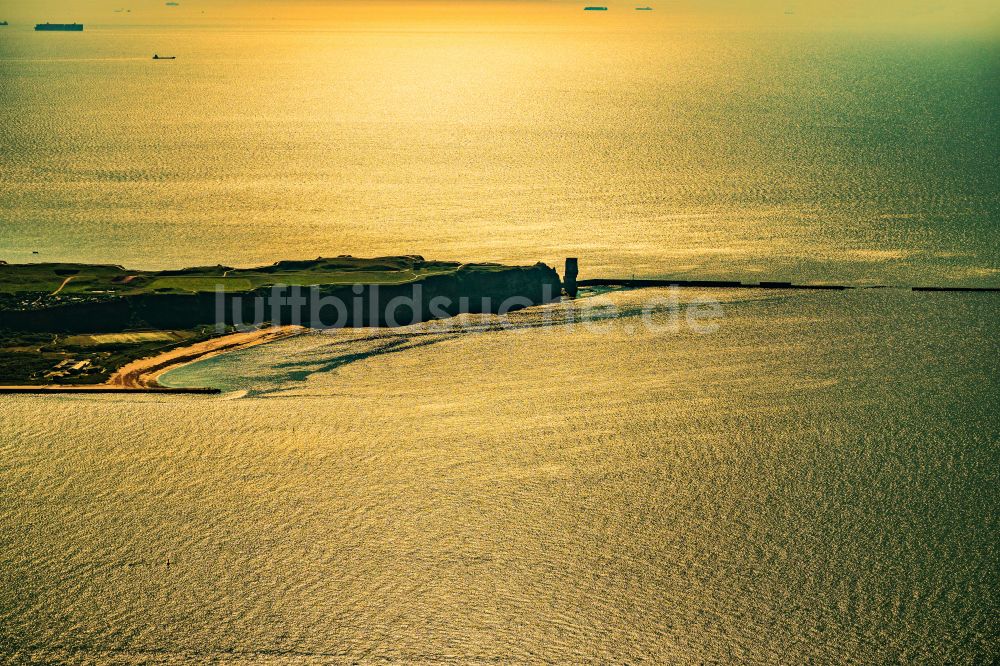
[812,481]
[665,151]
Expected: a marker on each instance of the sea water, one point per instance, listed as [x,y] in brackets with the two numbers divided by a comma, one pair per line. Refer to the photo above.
[647,148]
[811,476]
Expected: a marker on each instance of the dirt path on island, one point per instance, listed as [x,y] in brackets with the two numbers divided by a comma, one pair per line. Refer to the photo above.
[64,283]
[144,372]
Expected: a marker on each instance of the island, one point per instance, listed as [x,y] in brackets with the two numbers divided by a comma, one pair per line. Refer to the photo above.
[90,327]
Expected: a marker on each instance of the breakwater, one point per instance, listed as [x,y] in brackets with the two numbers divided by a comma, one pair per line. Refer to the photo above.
[707,284]
[637,283]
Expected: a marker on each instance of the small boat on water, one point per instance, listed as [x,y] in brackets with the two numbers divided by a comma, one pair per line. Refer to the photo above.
[595,9]
[3,22]
[159,57]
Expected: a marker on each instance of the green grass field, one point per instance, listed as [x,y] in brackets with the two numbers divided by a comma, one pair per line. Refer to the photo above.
[195,284]
[83,279]
[130,338]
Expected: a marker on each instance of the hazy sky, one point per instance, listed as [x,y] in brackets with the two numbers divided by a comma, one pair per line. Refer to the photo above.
[946,15]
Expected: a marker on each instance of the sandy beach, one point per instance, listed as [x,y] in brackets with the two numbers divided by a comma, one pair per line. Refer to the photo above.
[142,374]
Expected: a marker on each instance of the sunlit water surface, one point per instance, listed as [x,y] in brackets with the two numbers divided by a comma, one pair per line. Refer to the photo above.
[816,479]
[644,147]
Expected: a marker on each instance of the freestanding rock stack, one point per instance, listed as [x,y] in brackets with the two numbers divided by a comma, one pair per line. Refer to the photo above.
[569,278]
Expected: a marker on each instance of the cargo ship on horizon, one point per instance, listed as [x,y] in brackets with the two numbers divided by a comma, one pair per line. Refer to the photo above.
[60,27]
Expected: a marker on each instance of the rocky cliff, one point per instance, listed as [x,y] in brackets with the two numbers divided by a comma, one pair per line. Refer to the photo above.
[470,288]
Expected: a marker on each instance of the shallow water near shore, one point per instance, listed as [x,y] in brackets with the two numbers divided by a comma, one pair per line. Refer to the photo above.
[814,480]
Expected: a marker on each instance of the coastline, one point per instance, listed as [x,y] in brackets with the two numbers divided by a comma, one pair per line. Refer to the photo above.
[142,375]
